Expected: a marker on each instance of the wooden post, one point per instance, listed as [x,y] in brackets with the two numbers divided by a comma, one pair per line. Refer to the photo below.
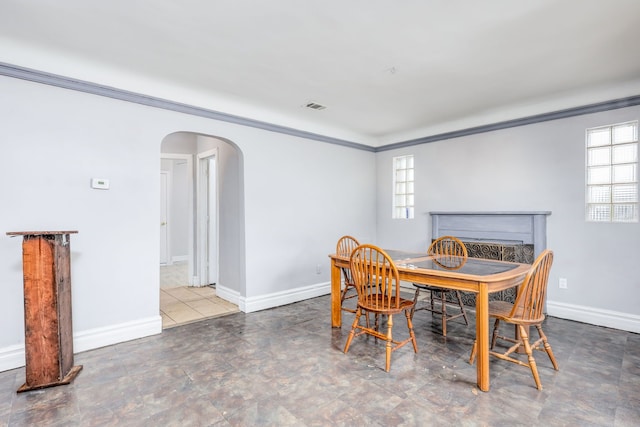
[47,309]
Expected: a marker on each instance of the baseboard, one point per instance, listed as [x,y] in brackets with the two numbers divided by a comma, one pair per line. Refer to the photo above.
[228,295]
[179,258]
[11,357]
[14,357]
[584,314]
[109,335]
[594,316]
[276,299]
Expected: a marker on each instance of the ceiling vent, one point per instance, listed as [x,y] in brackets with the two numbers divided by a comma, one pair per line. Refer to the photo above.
[315,106]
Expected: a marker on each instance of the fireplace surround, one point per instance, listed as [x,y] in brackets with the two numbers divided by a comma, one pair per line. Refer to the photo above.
[518,236]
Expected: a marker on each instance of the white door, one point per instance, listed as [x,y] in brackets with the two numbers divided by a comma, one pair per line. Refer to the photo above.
[164,235]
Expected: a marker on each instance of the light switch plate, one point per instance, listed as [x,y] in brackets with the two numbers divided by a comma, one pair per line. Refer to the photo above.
[100,183]
[562,283]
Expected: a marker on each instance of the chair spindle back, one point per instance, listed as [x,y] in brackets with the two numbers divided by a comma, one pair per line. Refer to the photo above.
[529,303]
[449,246]
[346,245]
[376,278]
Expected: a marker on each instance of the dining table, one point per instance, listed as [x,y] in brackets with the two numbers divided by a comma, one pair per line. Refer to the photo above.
[478,275]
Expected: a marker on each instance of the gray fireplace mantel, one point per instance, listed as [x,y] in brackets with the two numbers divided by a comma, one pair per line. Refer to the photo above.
[526,227]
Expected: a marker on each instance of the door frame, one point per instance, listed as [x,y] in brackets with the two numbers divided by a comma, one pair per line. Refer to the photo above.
[203,242]
[190,206]
[166,199]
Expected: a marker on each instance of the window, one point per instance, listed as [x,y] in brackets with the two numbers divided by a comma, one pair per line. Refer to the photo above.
[612,173]
[403,187]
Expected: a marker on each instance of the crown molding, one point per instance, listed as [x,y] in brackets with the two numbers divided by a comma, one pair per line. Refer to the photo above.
[36,76]
[538,118]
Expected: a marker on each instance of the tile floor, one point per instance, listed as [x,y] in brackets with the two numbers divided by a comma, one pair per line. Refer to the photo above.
[174,275]
[285,367]
[184,304]
[181,304]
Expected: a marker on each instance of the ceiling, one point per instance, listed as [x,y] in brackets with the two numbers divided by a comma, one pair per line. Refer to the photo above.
[386,71]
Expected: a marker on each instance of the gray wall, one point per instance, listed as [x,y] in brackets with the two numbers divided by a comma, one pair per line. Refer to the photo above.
[538,167]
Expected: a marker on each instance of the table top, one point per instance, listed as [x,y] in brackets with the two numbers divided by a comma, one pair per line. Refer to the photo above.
[398,256]
[474,266]
[452,266]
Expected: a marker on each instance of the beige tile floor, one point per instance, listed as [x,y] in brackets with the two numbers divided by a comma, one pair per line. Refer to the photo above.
[185,304]
[181,304]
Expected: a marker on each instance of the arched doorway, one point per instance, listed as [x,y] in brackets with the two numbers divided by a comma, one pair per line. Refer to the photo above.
[202,231]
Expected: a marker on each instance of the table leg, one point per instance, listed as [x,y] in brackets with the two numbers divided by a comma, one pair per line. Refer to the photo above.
[336,309]
[482,337]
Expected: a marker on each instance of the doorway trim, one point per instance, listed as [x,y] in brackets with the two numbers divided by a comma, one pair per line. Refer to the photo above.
[190,206]
[206,241]
[165,199]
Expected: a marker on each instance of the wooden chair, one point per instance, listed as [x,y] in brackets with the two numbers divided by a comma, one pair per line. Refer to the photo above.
[378,285]
[346,245]
[526,311]
[450,253]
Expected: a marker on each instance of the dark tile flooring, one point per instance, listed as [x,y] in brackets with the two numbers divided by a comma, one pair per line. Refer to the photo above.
[285,366]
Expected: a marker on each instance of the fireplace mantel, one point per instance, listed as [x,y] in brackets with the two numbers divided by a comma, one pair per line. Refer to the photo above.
[525,227]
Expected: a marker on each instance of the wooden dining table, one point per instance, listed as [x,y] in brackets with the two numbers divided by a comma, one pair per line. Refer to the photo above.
[478,275]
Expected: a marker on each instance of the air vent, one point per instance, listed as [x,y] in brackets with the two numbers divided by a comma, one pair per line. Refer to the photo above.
[315,106]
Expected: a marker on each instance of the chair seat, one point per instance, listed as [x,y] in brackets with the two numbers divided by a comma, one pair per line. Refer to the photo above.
[502,310]
[373,305]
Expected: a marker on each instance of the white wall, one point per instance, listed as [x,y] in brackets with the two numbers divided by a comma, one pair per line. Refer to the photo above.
[297,203]
[306,196]
[535,167]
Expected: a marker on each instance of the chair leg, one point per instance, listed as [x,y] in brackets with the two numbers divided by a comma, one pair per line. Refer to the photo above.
[547,347]
[523,341]
[389,342]
[347,284]
[474,349]
[353,329]
[415,301]
[464,312]
[443,310]
[411,333]
[532,362]
[494,337]
[344,292]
